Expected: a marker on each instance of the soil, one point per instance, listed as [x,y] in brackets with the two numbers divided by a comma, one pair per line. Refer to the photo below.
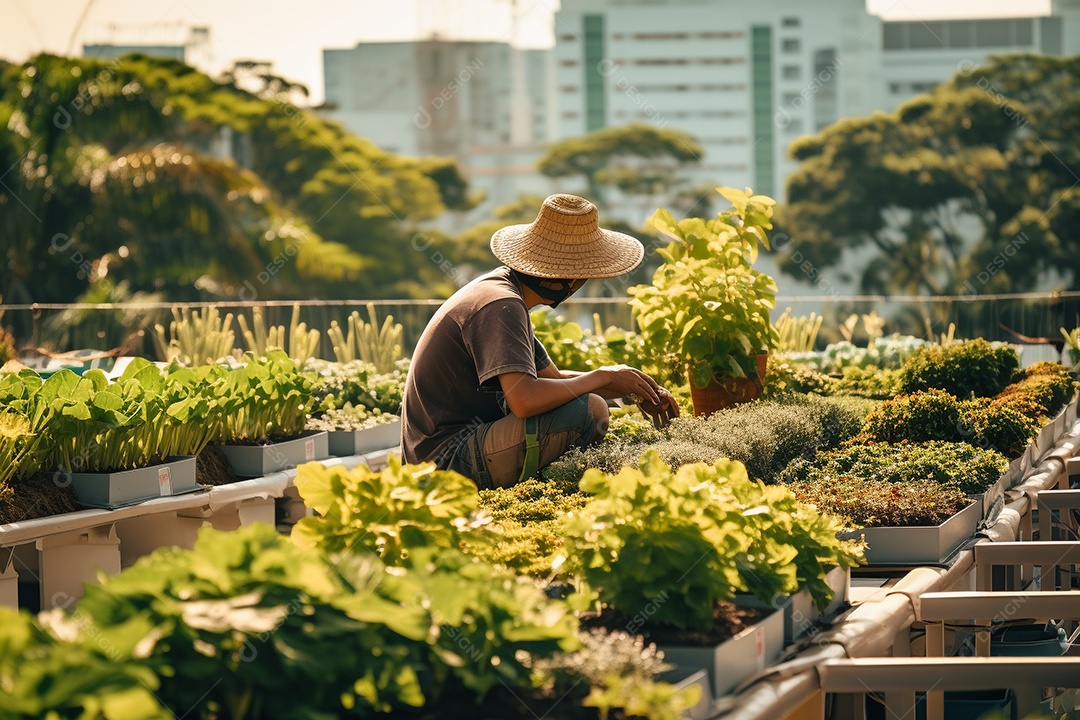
[35,497]
[276,438]
[211,467]
[729,620]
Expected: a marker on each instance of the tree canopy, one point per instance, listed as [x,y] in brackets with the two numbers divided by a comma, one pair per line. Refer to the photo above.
[634,160]
[970,189]
[148,172]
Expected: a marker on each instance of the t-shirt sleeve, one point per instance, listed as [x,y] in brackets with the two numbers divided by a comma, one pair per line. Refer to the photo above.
[499,338]
[540,354]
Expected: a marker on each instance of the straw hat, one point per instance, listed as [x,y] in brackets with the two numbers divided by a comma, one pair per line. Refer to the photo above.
[566,241]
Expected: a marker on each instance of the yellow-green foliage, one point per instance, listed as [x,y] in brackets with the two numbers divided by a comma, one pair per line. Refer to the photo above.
[367,341]
[201,337]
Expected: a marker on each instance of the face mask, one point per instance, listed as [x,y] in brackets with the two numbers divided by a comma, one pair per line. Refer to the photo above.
[554,290]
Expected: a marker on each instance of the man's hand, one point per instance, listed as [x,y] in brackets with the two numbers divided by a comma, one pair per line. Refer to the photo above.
[663,412]
[623,381]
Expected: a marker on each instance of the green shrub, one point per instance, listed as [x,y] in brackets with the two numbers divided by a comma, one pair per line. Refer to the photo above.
[971,368]
[918,417]
[867,503]
[971,469]
[1041,394]
[668,546]
[868,382]
[999,427]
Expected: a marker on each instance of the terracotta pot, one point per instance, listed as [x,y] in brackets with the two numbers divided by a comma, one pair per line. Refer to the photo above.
[730,391]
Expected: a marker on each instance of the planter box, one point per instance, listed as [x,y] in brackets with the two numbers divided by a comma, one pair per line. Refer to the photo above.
[800,614]
[343,443]
[733,660]
[176,476]
[261,460]
[683,679]
[919,545]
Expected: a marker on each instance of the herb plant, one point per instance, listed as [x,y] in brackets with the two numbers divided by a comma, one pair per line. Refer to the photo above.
[865,503]
[707,306]
[969,468]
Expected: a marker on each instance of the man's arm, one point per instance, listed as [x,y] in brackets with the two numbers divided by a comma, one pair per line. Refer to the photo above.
[554,373]
[527,395]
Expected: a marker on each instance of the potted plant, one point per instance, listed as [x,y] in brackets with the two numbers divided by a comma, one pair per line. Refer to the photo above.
[357,405]
[707,306]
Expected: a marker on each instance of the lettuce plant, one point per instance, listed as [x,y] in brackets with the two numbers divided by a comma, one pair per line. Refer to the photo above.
[667,546]
[390,512]
[44,676]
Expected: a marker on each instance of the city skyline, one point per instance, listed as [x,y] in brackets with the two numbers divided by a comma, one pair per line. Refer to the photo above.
[250,31]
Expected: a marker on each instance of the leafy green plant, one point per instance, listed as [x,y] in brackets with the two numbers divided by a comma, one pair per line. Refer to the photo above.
[272,398]
[43,676]
[866,503]
[973,470]
[367,341]
[359,384]
[572,347]
[634,541]
[707,306]
[195,338]
[390,512]
[971,368]
[301,344]
[246,617]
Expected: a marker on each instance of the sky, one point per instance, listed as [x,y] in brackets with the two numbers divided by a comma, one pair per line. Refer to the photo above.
[292,33]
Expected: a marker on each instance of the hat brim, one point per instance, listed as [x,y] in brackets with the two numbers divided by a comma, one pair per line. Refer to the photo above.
[610,254]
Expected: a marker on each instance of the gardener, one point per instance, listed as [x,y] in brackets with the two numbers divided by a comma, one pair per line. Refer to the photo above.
[483,397]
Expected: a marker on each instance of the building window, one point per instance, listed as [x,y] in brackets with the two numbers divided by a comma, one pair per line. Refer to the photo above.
[570,115]
[789,99]
[790,22]
[794,126]
[568,37]
[791,45]
[568,63]
[569,88]
[791,72]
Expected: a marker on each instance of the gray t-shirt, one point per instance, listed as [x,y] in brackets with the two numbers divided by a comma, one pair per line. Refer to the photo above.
[481,332]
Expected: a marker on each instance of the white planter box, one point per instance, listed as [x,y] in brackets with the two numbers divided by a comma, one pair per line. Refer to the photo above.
[176,476]
[683,679]
[343,443]
[736,659]
[260,460]
[919,545]
[800,614]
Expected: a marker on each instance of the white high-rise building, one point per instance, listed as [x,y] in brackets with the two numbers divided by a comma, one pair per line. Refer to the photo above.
[744,79]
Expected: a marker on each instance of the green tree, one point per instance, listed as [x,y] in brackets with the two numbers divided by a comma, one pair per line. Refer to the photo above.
[971,189]
[636,160]
[114,171]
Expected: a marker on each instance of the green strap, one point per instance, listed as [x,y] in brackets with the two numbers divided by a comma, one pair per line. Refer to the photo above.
[532,450]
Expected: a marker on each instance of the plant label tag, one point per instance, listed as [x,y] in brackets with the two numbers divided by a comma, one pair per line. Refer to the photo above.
[759,640]
[309,449]
[164,478]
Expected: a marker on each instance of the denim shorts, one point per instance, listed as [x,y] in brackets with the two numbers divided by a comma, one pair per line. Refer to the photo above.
[493,453]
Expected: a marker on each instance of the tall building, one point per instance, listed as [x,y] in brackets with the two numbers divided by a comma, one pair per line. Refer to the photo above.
[484,103]
[744,79]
